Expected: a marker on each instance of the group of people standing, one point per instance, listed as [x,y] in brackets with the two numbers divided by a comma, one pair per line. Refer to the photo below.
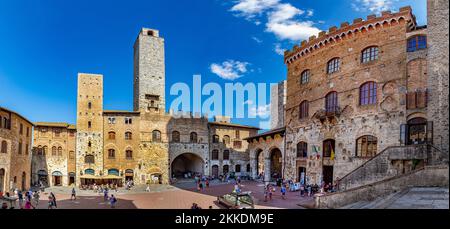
[25,199]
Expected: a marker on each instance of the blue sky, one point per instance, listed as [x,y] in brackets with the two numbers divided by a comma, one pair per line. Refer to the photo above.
[43,45]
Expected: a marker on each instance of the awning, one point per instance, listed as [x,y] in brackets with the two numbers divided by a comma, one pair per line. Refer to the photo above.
[112,177]
[89,176]
[57,174]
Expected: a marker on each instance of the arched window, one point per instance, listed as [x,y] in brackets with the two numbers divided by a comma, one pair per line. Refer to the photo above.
[193,137]
[4,147]
[237,168]
[54,151]
[156,136]
[368,93]
[215,138]
[302,150]
[129,154]
[89,159]
[89,124]
[60,151]
[45,150]
[366,146]
[369,54]
[128,136]
[89,171]
[331,102]
[225,169]
[175,136]
[248,168]
[89,105]
[333,65]
[215,155]
[112,135]
[304,78]
[111,153]
[226,140]
[304,110]
[226,155]
[417,43]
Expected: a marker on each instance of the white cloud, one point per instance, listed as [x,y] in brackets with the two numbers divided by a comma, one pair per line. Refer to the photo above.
[279,50]
[293,30]
[284,12]
[249,102]
[259,41]
[260,111]
[374,6]
[282,18]
[252,8]
[230,69]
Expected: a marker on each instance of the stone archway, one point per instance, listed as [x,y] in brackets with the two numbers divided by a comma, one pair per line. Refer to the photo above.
[2,180]
[260,163]
[276,164]
[187,165]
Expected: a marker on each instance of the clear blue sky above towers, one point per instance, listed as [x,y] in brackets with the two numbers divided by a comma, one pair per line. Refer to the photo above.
[44,44]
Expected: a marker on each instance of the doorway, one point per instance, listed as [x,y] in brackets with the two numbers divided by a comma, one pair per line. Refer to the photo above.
[301,175]
[327,174]
[417,131]
[215,171]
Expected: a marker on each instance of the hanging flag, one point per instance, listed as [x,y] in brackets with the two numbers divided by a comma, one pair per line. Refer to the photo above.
[332,154]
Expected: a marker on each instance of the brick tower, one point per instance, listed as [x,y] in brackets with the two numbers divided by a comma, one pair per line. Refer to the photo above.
[89,126]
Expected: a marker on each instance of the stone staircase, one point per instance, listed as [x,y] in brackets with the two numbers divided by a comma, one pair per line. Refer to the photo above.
[380,167]
[368,185]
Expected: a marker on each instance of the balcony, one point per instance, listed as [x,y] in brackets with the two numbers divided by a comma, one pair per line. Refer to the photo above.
[417,100]
[329,112]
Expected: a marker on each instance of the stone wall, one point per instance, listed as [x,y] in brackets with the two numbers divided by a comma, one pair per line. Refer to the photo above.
[425,177]
[438,66]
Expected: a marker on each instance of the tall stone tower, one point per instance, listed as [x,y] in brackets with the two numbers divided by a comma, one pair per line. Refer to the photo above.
[89,126]
[438,78]
[149,72]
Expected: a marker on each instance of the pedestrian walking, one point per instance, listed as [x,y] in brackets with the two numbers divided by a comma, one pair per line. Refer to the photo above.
[20,196]
[36,198]
[283,192]
[50,202]
[113,201]
[207,183]
[302,190]
[54,200]
[105,195]
[148,188]
[28,205]
[74,195]
[271,190]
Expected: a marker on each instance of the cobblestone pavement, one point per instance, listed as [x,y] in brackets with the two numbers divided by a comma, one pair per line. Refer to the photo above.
[170,197]
[422,198]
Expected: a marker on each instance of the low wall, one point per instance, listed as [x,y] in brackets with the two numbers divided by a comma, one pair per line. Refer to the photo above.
[432,176]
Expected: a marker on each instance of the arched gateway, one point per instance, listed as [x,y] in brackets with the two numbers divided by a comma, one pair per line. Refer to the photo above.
[187,165]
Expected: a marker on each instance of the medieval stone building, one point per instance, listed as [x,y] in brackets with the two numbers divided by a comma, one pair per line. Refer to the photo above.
[144,145]
[15,151]
[352,93]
